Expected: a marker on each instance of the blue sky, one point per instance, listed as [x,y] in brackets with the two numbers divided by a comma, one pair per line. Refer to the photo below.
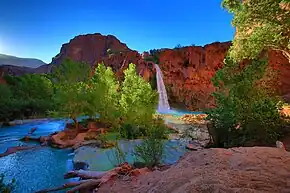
[38,28]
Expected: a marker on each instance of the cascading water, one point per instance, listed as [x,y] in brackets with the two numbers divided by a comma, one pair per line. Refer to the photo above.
[163,105]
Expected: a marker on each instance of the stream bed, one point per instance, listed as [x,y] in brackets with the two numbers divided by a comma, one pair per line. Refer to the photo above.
[44,167]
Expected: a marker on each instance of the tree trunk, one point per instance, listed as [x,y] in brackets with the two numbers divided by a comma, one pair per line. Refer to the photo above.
[287,55]
[76,123]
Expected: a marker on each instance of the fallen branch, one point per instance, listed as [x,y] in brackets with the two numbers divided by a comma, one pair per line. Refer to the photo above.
[87,183]
[84,174]
[12,150]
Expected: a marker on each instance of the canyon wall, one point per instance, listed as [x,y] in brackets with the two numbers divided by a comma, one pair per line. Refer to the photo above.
[96,48]
[188,71]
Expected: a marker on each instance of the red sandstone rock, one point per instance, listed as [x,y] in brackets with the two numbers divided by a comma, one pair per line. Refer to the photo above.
[188,71]
[96,48]
[239,170]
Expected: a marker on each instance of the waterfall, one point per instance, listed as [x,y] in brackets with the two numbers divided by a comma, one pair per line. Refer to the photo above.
[163,105]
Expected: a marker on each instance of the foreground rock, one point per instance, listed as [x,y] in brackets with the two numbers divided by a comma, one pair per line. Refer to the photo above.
[237,170]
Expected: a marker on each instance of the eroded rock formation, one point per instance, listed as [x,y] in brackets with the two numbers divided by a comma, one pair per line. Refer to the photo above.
[96,48]
[188,71]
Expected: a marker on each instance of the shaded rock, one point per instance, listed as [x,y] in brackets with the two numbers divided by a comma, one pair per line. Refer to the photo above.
[32,131]
[80,165]
[194,146]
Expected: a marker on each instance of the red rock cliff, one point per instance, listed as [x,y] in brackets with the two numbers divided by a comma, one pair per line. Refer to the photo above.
[188,71]
[96,48]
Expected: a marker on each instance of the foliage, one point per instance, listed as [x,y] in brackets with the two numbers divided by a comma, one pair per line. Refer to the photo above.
[6,188]
[70,101]
[138,101]
[5,102]
[154,56]
[29,95]
[151,150]
[178,46]
[103,96]
[246,112]
[119,156]
[70,98]
[260,25]
[71,72]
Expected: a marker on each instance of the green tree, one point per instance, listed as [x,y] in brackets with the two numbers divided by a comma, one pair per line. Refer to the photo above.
[103,96]
[246,112]
[31,94]
[70,101]
[70,98]
[70,72]
[5,103]
[261,25]
[138,100]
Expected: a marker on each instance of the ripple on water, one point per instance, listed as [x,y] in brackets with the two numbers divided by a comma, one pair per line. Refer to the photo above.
[36,169]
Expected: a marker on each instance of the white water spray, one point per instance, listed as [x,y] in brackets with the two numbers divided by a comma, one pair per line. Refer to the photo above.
[163,105]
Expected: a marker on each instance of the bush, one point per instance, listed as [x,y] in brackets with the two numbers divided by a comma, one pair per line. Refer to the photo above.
[246,113]
[4,187]
[151,150]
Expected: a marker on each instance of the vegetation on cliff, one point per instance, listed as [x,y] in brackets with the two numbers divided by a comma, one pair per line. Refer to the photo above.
[246,112]
[260,25]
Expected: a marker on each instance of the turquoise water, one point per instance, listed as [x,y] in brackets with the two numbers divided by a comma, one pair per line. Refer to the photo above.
[34,169]
[178,112]
[105,159]
[44,167]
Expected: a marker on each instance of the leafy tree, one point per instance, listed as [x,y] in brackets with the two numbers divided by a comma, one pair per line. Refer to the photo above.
[70,101]
[260,25]
[5,103]
[70,97]
[103,96]
[31,95]
[70,72]
[178,46]
[246,112]
[138,100]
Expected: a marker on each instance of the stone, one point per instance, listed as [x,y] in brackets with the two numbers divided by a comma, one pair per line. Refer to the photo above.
[80,165]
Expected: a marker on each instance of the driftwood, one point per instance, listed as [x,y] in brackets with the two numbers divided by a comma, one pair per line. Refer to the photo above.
[12,150]
[84,174]
[91,180]
[76,186]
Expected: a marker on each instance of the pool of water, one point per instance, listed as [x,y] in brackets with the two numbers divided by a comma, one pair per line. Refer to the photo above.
[34,169]
[44,167]
[178,112]
[105,159]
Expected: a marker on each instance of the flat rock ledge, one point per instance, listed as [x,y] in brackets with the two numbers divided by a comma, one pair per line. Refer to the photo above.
[235,170]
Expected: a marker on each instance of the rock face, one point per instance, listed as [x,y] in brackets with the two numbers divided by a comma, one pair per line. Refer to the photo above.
[96,48]
[237,170]
[188,71]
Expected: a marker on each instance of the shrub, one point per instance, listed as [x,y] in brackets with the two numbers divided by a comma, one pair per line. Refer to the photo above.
[246,113]
[4,187]
[151,150]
